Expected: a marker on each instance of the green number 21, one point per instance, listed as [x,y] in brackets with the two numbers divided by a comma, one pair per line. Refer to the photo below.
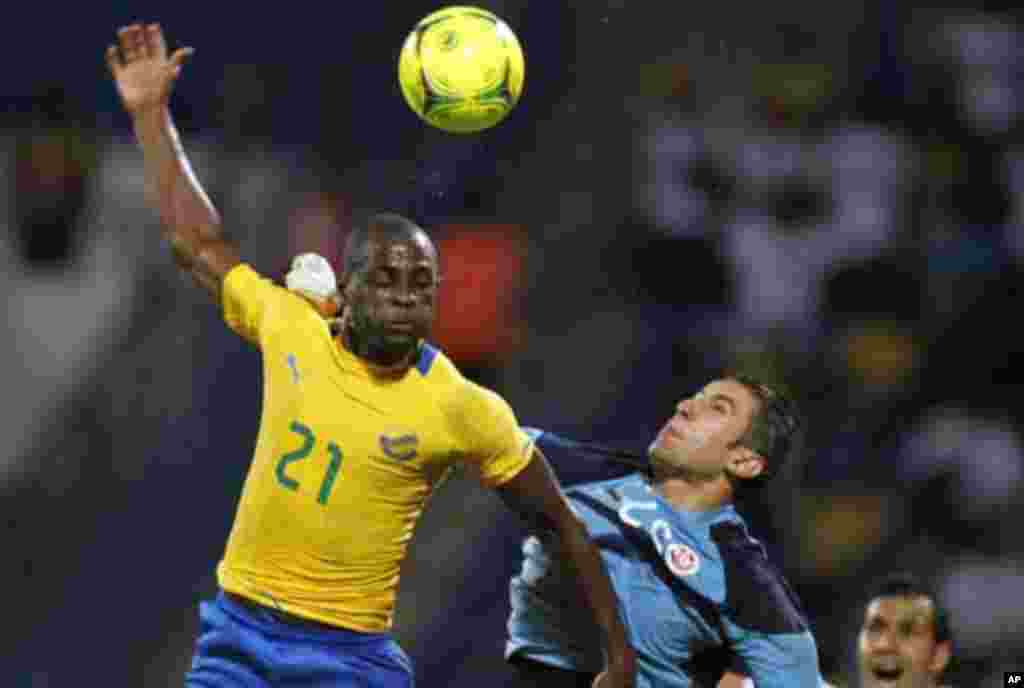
[308,441]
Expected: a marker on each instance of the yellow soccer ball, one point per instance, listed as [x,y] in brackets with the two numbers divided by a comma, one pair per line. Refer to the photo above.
[461,69]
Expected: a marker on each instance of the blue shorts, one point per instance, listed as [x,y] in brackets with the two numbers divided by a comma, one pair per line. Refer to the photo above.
[239,647]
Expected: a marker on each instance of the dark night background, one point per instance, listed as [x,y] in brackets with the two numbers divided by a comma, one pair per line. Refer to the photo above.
[830,196]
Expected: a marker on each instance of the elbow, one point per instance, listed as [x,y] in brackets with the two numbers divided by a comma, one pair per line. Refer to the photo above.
[182,250]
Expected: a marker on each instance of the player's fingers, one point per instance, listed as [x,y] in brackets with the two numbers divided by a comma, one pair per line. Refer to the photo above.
[146,47]
[180,56]
[139,36]
[129,38]
[113,60]
[155,40]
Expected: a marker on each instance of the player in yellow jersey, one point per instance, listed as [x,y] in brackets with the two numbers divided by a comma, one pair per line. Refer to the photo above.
[356,428]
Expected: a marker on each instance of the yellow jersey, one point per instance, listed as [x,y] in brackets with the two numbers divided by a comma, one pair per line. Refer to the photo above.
[345,460]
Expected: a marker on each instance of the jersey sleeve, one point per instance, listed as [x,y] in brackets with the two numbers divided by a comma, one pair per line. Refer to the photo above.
[493,443]
[246,299]
[764,620]
[777,660]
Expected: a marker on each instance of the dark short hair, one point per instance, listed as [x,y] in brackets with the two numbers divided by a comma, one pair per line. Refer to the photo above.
[903,584]
[386,226]
[773,429]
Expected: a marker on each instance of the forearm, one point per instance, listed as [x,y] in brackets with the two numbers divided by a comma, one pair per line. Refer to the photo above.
[191,224]
[188,215]
[535,494]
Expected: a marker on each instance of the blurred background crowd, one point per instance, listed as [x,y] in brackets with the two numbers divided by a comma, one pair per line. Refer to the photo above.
[830,195]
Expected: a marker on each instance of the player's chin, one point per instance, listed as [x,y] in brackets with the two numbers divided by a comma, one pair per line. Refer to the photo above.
[662,456]
[401,335]
[400,344]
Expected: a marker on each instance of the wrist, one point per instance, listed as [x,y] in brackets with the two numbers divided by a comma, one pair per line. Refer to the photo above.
[622,657]
[146,114]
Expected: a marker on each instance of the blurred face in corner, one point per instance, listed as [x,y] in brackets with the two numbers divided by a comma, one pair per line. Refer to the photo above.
[896,646]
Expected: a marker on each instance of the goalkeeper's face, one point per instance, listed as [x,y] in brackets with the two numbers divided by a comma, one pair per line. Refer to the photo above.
[390,304]
[703,439]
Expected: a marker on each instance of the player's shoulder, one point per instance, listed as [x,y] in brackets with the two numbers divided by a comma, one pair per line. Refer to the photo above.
[433,365]
[473,412]
[758,597]
[612,486]
[442,378]
[464,394]
[244,281]
[445,382]
[295,315]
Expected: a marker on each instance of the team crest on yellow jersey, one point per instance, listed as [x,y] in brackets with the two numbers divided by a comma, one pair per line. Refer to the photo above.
[401,447]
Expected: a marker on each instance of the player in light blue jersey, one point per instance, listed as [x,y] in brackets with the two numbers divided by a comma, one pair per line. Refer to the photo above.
[694,587]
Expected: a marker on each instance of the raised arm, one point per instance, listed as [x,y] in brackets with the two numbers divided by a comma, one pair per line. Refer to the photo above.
[145,76]
[534,494]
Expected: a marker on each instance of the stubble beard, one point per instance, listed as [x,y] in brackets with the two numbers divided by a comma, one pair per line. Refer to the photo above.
[366,339]
[674,463]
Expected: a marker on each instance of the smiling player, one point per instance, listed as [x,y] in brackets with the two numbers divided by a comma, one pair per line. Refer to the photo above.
[904,639]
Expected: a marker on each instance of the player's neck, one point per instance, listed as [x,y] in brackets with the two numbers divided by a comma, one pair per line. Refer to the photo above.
[376,364]
[690,494]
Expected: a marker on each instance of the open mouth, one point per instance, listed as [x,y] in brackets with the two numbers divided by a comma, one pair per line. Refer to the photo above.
[887,674]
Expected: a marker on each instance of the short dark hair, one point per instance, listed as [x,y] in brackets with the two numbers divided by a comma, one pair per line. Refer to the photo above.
[773,429]
[903,584]
[387,226]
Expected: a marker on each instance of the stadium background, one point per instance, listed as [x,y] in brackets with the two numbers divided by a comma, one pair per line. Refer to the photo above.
[830,194]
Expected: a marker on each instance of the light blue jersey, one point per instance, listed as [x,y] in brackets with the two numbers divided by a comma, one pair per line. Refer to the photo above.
[691,586]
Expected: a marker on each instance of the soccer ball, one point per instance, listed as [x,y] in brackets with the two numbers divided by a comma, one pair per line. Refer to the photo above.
[461,69]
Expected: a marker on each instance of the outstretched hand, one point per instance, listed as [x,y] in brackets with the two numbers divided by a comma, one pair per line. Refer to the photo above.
[141,68]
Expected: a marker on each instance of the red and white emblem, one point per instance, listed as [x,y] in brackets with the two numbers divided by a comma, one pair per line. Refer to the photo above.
[681,560]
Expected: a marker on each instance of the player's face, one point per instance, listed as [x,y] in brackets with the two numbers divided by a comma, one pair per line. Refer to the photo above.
[896,646]
[391,303]
[705,427]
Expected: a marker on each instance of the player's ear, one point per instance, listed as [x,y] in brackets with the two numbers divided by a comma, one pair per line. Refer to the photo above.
[940,657]
[345,283]
[745,463]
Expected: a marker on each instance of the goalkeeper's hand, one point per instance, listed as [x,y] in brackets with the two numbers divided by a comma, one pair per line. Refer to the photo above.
[312,277]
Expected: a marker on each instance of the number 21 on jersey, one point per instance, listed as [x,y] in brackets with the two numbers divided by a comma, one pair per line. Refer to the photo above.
[307,448]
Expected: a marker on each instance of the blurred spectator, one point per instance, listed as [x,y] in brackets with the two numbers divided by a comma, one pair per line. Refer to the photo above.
[66,275]
[1014,229]
[981,594]
[319,223]
[54,153]
[977,461]
[479,318]
[986,55]
[905,636]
